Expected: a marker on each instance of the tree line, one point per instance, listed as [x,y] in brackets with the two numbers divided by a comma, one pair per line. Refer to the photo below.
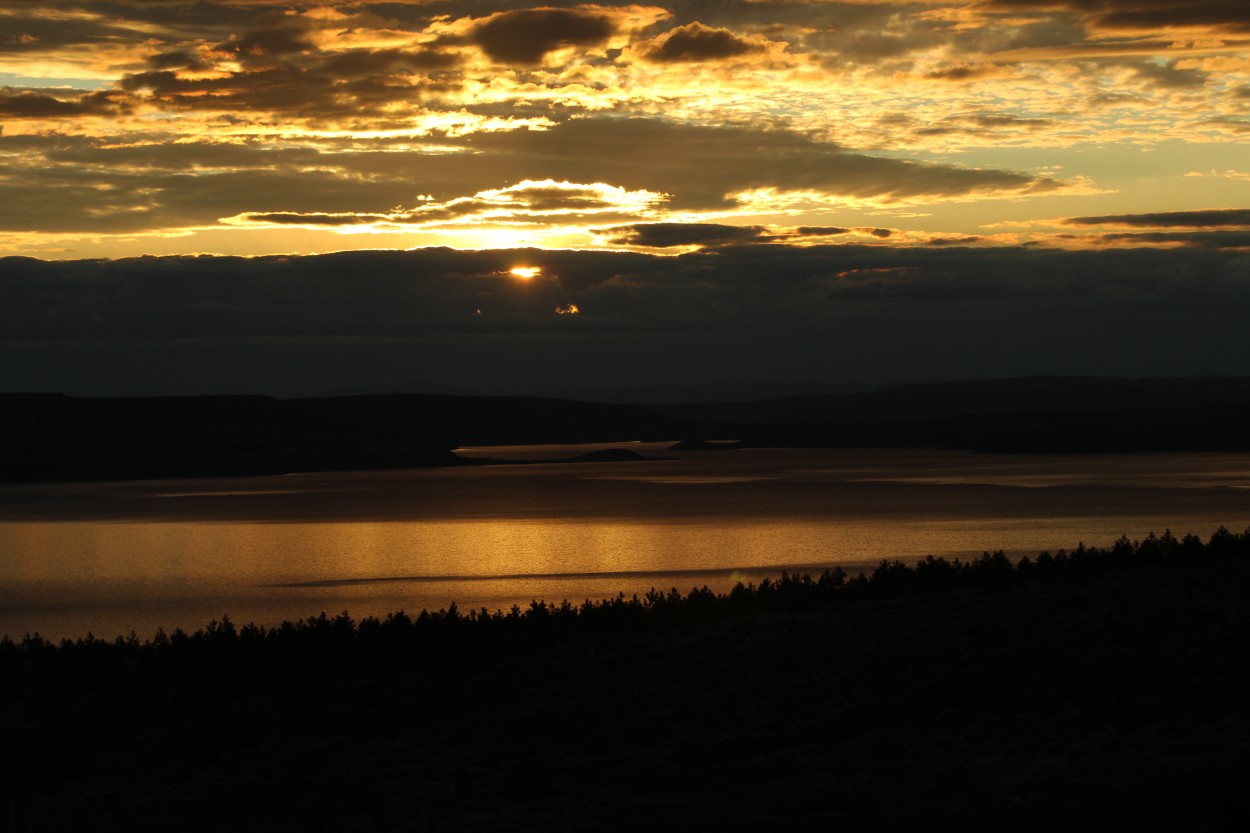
[323,640]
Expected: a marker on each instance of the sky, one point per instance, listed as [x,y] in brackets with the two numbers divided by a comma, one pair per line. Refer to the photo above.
[627,200]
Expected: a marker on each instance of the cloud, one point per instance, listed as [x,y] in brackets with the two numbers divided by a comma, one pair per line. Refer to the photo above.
[526,201]
[311,218]
[264,43]
[1230,124]
[439,290]
[877,47]
[953,241]
[703,168]
[962,73]
[821,231]
[524,36]
[59,183]
[28,104]
[1230,16]
[1168,76]
[323,119]
[177,59]
[816,312]
[695,42]
[627,170]
[1198,239]
[1136,15]
[666,235]
[1164,219]
[988,123]
[1228,174]
[385,61]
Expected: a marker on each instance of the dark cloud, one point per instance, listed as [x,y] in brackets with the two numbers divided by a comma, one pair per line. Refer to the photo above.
[187,15]
[821,231]
[281,70]
[59,183]
[952,241]
[375,61]
[525,202]
[664,235]
[524,36]
[544,196]
[265,43]
[1116,99]
[876,47]
[1192,219]
[315,219]
[995,120]
[71,183]
[28,104]
[272,324]
[700,165]
[1230,123]
[1167,75]
[313,93]
[33,33]
[982,124]
[1232,15]
[176,59]
[696,42]
[961,73]
[1198,239]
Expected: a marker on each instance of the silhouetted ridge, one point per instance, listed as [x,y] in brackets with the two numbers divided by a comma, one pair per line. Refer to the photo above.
[1031,395]
[54,437]
[1035,414]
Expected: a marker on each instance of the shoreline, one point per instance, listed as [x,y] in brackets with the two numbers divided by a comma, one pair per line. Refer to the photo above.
[887,579]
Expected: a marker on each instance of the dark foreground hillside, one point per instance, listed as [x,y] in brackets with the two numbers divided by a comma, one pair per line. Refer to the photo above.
[1100,689]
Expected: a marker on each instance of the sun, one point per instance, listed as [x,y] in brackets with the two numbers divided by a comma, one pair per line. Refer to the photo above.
[525,273]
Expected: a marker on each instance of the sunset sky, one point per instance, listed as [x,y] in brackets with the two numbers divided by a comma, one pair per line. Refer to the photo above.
[689,192]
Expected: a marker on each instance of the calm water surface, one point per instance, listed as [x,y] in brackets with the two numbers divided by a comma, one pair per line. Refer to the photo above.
[115,557]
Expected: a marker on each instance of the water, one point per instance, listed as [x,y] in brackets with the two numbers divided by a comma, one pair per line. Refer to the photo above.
[115,557]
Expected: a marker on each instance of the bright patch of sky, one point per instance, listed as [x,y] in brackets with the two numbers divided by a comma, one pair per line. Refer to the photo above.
[11,79]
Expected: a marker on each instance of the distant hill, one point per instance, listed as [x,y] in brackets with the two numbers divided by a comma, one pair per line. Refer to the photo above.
[1024,395]
[1042,414]
[701,391]
[55,437]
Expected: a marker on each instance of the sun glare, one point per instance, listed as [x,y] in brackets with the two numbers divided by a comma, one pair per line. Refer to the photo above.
[525,273]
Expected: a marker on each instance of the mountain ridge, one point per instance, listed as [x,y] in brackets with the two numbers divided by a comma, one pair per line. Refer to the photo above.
[47,436]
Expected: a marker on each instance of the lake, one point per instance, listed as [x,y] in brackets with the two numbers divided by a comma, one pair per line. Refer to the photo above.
[112,558]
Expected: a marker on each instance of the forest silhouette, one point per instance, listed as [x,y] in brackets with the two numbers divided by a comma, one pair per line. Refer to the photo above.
[1099,685]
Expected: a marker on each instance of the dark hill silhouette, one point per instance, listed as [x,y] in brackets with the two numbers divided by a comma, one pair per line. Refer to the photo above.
[1041,414]
[56,437]
[1024,395]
